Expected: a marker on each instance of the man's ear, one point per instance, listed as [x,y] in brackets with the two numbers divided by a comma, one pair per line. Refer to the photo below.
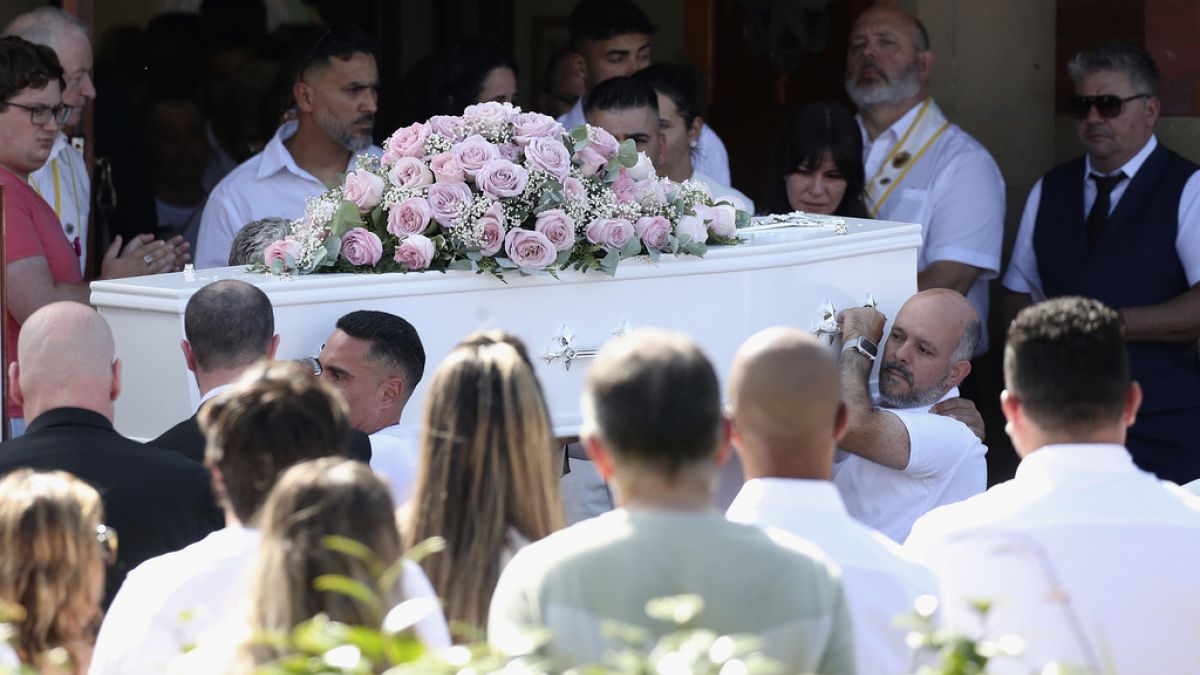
[391,391]
[272,347]
[578,65]
[959,372]
[1010,405]
[115,391]
[693,133]
[723,444]
[302,93]
[594,447]
[188,357]
[662,146]
[924,66]
[14,384]
[1133,401]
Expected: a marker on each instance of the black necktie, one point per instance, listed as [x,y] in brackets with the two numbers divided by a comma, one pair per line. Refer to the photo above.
[1100,208]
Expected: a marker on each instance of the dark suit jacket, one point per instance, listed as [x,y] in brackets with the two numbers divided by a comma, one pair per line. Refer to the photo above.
[158,502]
[186,439]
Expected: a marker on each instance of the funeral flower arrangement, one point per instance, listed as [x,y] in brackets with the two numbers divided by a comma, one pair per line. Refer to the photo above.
[497,189]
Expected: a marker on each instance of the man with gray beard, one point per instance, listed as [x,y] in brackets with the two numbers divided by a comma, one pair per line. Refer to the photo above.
[898,460]
[335,79]
[920,168]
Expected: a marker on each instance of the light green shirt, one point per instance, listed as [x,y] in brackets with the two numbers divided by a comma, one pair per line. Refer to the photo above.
[767,583]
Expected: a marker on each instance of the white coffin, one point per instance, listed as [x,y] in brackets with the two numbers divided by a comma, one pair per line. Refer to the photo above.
[778,277]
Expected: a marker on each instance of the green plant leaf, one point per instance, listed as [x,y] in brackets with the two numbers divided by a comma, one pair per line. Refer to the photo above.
[677,609]
[337,583]
[345,218]
[627,153]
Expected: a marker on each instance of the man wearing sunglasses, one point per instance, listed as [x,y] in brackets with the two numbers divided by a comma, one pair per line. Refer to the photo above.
[1121,224]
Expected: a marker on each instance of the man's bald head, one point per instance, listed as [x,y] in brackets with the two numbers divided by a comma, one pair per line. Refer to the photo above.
[785,392]
[928,350]
[65,358]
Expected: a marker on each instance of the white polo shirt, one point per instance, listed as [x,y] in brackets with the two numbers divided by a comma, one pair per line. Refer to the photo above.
[1089,559]
[956,193]
[880,583]
[945,465]
[269,184]
[395,455]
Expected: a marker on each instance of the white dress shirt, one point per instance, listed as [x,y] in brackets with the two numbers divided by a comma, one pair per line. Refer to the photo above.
[956,193]
[64,183]
[720,190]
[269,184]
[396,455]
[168,602]
[946,464]
[880,583]
[1023,276]
[1089,559]
[708,157]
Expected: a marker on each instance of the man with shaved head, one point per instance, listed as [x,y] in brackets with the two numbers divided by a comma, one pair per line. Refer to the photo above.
[920,167]
[900,461]
[67,379]
[785,397]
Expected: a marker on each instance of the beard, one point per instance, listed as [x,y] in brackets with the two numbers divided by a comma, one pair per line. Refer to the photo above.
[344,134]
[906,85]
[913,398]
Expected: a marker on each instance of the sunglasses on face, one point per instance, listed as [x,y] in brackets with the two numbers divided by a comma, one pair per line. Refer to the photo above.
[1107,106]
[107,538]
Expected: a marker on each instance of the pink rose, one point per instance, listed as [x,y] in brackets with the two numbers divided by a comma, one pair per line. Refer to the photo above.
[363,188]
[510,151]
[604,143]
[449,127]
[549,155]
[362,247]
[531,125]
[649,191]
[489,111]
[501,178]
[614,232]
[409,172]
[692,226]
[410,216]
[573,189]
[590,161]
[281,250]
[723,220]
[446,169]
[623,187]
[492,225]
[408,141]
[415,252]
[654,231]
[473,153]
[448,201]
[558,227]
[528,249]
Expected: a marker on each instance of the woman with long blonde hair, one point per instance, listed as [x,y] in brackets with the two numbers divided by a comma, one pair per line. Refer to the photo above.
[53,551]
[488,483]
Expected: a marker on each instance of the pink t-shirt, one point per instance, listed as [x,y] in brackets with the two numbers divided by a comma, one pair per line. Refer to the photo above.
[33,230]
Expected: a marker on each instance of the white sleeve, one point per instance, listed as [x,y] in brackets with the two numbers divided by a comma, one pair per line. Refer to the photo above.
[967,220]
[134,638]
[1187,238]
[432,630]
[1022,275]
[218,227]
[711,158]
[512,610]
[936,442]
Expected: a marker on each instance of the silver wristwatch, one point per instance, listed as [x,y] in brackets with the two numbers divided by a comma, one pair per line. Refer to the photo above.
[863,346]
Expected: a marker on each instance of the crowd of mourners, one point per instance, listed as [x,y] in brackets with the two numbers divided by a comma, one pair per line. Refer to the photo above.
[809,501]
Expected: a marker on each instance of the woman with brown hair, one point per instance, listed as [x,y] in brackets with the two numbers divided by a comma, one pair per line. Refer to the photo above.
[53,549]
[488,483]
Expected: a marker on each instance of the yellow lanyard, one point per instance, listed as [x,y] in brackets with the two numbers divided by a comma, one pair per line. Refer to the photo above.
[877,205]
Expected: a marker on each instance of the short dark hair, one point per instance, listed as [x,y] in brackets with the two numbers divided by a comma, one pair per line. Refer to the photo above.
[812,131]
[1066,361]
[228,323]
[393,340]
[277,414]
[24,65]
[621,93]
[654,400]
[679,82]
[604,19]
[1121,57]
[316,48]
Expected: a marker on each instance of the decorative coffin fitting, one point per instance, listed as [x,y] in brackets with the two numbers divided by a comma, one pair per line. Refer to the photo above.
[779,276]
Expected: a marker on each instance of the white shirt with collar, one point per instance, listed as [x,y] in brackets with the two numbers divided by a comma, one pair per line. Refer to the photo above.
[396,455]
[956,193]
[269,184]
[880,583]
[1023,276]
[1080,553]
[708,157]
[946,464]
[719,190]
[64,183]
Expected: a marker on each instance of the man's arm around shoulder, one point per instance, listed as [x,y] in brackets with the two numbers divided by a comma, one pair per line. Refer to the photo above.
[872,433]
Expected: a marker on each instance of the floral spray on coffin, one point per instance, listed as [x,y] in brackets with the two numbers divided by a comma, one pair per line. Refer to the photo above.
[497,190]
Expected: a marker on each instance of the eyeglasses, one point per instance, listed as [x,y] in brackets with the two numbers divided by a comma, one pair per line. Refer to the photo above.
[40,114]
[1108,105]
[107,538]
[313,362]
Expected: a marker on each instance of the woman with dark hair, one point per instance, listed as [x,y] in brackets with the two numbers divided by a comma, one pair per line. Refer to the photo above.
[445,83]
[819,164]
[679,95]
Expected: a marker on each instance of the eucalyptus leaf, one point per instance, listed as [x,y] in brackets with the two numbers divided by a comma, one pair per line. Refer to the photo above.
[631,247]
[579,137]
[345,218]
[627,153]
[608,264]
